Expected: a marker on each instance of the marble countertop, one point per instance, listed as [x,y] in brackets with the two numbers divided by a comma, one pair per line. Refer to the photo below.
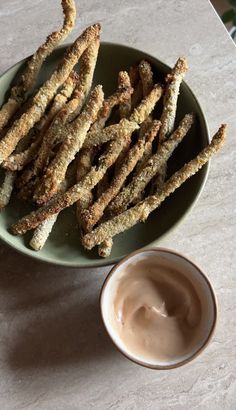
[54,352]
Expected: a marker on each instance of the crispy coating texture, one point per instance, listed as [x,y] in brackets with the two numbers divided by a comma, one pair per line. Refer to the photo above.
[122,95]
[142,111]
[112,132]
[18,160]
[146,155]
[123,92]
[84,163]
[46,93]
[57,127]
[140,114]
[30,73]
[105,248]
[122,155]
[67,199]
[148,148]
[43,231]
[134,75]
[114,149]
[174,80]
[86,73]
[136,83]
[144,176]
[92,215]
[7,188]
[158,180]
[125,105]
[60,99]
[137,95]
[142,210]
[102,185]
[106,160]
[73,141]
[124,111]
[146,75]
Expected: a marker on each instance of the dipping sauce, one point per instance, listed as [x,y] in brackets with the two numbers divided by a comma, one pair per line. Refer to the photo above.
[156,310]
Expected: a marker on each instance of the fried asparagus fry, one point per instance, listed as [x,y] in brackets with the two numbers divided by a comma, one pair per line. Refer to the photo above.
[123,92]
[146,75]
[84,163]
[140,113]
[104,248]
[46,93]
[18,160]
[134,75]
[87,66]
[136,83]
[112,132]
[125,105]
[137,95]
[102,185]
[43,231]
[60,99]
[141,211]
[30,73]
[122,95]
[78,190]
[86,73]
[158,180]
[148,149]
[74,138]
[122,155]
[124,111]
[174,80]
[140,181]
[92,215]
[7,188]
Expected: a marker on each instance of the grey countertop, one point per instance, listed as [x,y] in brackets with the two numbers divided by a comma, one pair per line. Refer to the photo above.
[54,352]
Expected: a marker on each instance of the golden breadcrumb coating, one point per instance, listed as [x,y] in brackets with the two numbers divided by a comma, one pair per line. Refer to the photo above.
[7,188]
[144,176]
[92,215]
[30,73]
[174,80]
[46,93]
[141,211]
[73,141]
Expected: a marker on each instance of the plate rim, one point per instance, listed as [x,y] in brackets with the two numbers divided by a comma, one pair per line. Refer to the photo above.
[104,262]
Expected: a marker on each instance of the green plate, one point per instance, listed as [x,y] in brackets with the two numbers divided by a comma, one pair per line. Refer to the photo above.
[63,247]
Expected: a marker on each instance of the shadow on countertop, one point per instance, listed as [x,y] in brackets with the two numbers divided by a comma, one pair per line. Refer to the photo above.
[54,314]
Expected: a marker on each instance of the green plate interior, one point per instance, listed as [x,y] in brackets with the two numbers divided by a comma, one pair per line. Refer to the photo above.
[63,247]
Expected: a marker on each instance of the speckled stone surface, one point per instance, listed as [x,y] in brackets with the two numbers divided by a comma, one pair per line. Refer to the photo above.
[54,352]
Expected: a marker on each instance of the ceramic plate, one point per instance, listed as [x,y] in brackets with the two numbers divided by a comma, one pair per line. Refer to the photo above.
[63,247]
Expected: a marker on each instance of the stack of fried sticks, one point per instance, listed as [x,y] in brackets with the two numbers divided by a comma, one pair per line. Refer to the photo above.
[65,144]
